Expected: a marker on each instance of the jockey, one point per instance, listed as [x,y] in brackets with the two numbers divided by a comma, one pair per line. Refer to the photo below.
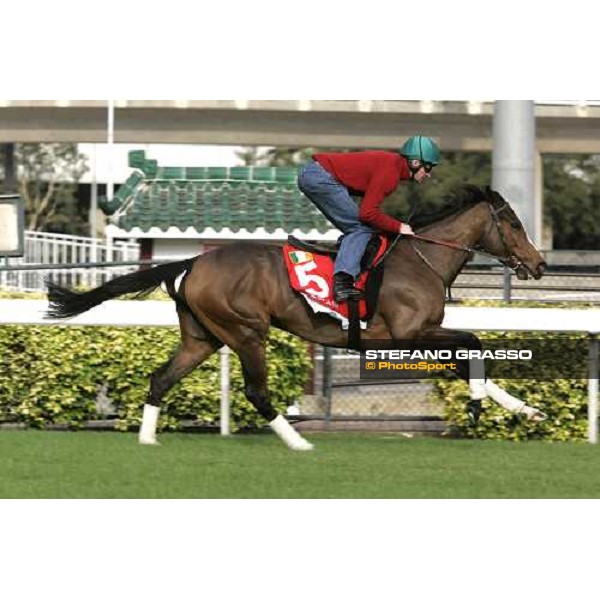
[329,179]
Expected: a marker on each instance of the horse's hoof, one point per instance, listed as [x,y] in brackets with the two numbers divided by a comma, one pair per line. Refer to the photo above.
[537,416]
[302,446]
[474,411]
[148,442]
[534,414]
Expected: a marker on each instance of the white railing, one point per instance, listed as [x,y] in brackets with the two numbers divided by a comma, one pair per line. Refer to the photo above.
[57,249]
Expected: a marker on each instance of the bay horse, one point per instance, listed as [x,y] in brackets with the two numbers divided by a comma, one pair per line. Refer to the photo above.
[233,295]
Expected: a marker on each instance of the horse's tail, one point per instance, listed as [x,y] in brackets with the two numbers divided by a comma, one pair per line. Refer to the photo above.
[64,303]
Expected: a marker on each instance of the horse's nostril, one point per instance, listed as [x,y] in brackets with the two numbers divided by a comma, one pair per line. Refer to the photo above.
[542,268]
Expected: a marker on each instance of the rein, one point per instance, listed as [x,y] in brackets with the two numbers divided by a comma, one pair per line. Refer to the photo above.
[461,247]
[510,260]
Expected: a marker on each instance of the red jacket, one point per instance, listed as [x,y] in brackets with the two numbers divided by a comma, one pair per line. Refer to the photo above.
[376,173]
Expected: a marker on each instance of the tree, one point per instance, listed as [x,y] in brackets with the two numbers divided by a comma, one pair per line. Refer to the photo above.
[48,175]
[572,200]
[288,157]
[274,157]
[249,155]
[7,166]
[456,169]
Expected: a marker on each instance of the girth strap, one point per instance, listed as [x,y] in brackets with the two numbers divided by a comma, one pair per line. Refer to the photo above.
[353,325]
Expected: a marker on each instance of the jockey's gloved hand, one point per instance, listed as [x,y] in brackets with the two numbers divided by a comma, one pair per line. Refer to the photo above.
[406,229]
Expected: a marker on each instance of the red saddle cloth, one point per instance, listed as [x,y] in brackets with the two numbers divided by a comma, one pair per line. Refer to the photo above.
[311,274]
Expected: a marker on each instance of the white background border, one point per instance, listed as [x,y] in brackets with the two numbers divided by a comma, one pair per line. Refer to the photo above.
[319,50]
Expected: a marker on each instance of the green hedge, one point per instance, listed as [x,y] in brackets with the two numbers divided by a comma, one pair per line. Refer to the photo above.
[563,400]
[53,374]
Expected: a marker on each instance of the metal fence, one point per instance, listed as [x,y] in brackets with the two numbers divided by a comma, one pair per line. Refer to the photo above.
[560,284]
[58,249]
[337,394]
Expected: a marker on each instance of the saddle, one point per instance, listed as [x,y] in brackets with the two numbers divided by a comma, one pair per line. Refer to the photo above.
[310,268]
[332,249]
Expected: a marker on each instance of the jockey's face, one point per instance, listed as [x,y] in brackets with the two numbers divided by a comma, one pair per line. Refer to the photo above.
[421,171]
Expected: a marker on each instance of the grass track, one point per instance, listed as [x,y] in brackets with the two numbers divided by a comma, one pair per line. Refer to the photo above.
[45,464]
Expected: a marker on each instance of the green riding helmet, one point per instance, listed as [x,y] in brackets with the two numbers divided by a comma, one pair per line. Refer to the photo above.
[420,147]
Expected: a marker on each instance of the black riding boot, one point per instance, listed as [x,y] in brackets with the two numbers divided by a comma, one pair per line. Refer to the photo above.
[343,288]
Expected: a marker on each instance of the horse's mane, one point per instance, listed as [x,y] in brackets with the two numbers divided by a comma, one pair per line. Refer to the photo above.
[456,202]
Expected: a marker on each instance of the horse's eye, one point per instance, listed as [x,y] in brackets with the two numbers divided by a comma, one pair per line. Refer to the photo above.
[515,225]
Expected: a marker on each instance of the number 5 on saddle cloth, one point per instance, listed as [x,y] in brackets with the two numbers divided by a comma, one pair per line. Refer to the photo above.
[310,270]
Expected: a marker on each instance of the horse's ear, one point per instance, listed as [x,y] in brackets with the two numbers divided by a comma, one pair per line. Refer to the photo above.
[478,193]
[473,190]
[492,195]
[495,197]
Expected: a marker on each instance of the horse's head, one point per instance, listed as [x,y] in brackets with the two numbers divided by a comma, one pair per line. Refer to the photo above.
[507,238]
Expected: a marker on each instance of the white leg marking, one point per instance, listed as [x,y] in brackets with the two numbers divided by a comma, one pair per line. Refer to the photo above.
[477,389]
[147,433]
[512,404]
[289,435]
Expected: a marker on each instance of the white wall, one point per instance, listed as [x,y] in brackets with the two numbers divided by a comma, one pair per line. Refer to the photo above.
[167,249]
[167,155]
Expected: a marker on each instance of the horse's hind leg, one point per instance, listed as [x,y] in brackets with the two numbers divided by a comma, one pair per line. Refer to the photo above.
[250,345]
[185,359]
[253,359]
[196,346]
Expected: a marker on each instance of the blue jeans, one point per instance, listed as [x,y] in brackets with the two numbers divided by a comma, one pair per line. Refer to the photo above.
[334,201]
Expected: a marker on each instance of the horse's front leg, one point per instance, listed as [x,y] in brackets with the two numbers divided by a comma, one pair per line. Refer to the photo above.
[512,404]
[448,339]
[473,372]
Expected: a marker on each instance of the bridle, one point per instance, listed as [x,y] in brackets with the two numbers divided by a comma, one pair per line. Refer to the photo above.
[508,259]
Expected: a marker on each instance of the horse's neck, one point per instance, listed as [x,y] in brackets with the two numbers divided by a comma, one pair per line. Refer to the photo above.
[465,229]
